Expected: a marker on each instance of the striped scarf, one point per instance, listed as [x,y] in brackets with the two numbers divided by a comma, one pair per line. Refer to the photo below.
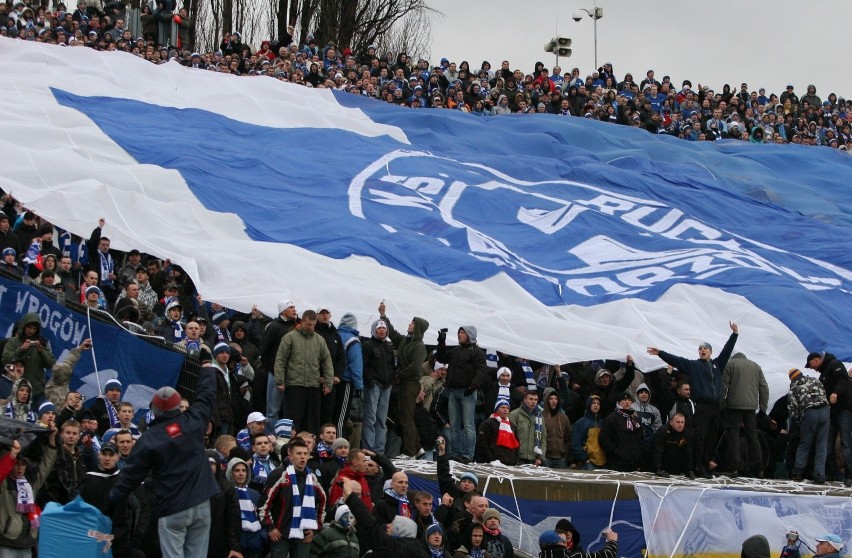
[248,513]
[529,376]
[403,508]
[537,419]
[260,469]
[107,266]
[304,507]
[505,437]
[491,359]
[112,414]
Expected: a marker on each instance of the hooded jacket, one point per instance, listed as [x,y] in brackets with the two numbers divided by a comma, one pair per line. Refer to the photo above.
[36,359]
[379,359]
[647,415]
[580,435]
[558,428]
[410,350]
[20,411]
[354,370]
[466,364]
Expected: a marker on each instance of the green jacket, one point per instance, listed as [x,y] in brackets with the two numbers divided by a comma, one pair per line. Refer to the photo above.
[410,350]
[35,359]
[335,542]
[57,386]
[524,422]
[303,360]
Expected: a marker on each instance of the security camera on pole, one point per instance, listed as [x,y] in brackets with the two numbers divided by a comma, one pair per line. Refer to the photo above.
[595,13]
[560,46]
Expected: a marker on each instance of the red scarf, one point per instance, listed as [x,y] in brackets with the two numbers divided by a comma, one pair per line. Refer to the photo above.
[505,437]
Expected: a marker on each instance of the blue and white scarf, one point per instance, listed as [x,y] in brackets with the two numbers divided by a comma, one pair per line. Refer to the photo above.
[536,417]
[107,267]
[179,333]
[403,507]
[304,507]
[111,413]
[491,359]
[260,469]
[248,512]
[529,376]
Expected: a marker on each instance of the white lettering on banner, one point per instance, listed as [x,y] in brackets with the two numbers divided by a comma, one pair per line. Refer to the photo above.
[606,265]
[62,324]
[2,292]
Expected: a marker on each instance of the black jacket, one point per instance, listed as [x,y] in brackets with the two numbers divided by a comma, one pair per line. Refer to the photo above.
[372,535]
[622,445]
[271,338]
[379,362]
[466,365]
[95,491]
[335,346]
[225,525]
[173,450]
[672,451]
[834,377]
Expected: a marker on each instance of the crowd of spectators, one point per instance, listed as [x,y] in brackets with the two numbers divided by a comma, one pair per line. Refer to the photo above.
[297,412]
[351,399]
[660,106]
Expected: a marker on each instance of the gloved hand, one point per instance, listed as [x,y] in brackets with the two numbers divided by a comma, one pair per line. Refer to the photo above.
[496,463]
[442,336]
[663,474]
[691,475]
[357,394]
[469,391]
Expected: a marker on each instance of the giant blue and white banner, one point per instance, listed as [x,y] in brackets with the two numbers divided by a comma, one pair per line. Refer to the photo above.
[561,239]
[141,367]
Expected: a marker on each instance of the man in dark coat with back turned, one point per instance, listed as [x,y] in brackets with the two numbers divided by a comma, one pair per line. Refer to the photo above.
[172,451]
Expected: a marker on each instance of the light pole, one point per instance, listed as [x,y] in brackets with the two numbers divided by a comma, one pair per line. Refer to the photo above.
[595,14]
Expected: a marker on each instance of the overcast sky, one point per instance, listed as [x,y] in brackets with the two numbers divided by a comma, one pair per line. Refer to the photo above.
[766,43]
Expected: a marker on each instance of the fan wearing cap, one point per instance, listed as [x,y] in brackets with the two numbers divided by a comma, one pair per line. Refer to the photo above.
[452,492]
[223,412]
[622,438]
[8,238]
[705,378]
[807,404]
[339,539]
[107,418]
[497,440]
[269,342]
[828,546]
[379,376]
[838,388]
[10,264]
[172,451]
[94,490]
[255,424]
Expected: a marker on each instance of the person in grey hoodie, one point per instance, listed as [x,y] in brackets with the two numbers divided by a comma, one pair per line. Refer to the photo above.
[648,417]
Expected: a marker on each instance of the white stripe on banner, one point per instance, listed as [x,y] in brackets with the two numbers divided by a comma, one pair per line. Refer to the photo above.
[703,522]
